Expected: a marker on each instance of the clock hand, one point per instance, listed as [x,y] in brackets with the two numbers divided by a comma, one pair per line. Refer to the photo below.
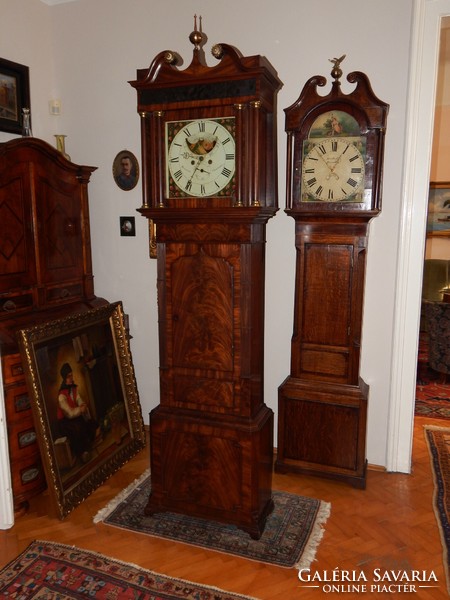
[337,162]
[197,168]
[320,156]
[331,169]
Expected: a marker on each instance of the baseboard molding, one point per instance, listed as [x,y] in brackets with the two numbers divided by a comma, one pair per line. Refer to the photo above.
[370,467]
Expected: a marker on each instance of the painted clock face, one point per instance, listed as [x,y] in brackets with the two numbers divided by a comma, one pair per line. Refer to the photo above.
[332,170]
[332,167]
[200,157]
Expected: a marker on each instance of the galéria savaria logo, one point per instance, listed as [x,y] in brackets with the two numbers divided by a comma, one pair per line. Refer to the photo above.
[378,581]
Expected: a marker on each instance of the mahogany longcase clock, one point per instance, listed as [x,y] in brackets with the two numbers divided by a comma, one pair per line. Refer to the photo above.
[334,180]
[210,186]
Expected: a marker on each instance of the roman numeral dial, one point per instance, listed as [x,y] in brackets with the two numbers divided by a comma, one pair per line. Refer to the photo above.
[333,171]
[200,157]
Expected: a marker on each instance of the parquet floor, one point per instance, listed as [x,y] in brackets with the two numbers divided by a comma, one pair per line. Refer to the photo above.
[389,526]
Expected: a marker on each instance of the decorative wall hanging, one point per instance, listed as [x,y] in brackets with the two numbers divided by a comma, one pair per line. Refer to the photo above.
[126,170]
[438,222]
[127,226]
[14,95]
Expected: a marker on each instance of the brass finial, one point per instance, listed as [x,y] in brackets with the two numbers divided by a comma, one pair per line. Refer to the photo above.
[196,36]
[170,57]
[336,72]
[217,51]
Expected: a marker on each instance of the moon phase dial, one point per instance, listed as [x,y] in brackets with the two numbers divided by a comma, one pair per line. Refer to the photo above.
[200,157]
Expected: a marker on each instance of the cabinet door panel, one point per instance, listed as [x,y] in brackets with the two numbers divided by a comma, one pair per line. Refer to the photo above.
[59,225]
[17,265]
[203,331]
[328,273]
[202,302]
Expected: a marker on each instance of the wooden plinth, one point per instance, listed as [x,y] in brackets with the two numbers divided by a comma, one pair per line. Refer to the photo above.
[217,469]
[321,430]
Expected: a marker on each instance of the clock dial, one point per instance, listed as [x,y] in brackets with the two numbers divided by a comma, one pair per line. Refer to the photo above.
[333,170]
[200,157]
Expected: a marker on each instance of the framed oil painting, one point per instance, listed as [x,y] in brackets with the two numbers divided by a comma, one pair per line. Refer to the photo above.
[84,399]
[14,95]
[438,220]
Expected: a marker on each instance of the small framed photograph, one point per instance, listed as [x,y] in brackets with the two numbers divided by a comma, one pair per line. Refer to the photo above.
[84,400]
[438,221]
[126,170]
[14,95]
[127,226]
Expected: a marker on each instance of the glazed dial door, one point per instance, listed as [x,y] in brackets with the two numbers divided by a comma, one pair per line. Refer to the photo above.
[330,161]
[333,170]
[200,157]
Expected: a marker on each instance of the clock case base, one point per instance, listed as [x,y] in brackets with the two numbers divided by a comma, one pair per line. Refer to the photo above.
[322,430]
[213,469]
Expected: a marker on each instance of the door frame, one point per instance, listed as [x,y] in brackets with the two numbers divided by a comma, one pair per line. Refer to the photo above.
[427,16]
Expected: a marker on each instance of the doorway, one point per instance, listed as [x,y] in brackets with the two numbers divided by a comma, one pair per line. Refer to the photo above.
[433,386]
[427,18]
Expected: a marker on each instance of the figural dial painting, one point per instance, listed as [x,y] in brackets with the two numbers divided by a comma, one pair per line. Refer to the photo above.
[200,157]
[333,160]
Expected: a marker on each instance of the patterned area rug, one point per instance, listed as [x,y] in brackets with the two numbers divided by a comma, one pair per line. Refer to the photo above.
[50,571]
[438,439]
[432,391]
[292,534]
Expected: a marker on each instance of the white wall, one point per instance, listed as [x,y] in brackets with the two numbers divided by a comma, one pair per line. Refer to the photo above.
[26,38]
[97,47]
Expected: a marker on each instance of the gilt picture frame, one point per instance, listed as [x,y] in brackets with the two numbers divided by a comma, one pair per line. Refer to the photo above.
[14,95]
[84,399]
[438,219]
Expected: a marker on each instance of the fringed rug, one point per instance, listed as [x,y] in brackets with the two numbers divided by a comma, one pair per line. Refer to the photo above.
[292,534]
[52,571]
[438,439]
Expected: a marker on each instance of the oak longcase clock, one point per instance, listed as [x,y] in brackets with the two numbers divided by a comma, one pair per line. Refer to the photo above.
[334,179]
[210,186]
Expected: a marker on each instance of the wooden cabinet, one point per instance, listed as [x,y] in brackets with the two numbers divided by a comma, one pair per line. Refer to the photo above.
[45,255]
[45,273]
[27,472]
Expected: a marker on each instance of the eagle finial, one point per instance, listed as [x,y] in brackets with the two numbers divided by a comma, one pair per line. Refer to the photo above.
[336,72]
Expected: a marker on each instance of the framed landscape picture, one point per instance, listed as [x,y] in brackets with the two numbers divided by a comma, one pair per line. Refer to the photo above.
[14,95]
[438,221]
[84,399]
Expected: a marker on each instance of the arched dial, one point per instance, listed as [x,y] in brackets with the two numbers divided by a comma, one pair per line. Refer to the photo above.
[200,157]
[333,171]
